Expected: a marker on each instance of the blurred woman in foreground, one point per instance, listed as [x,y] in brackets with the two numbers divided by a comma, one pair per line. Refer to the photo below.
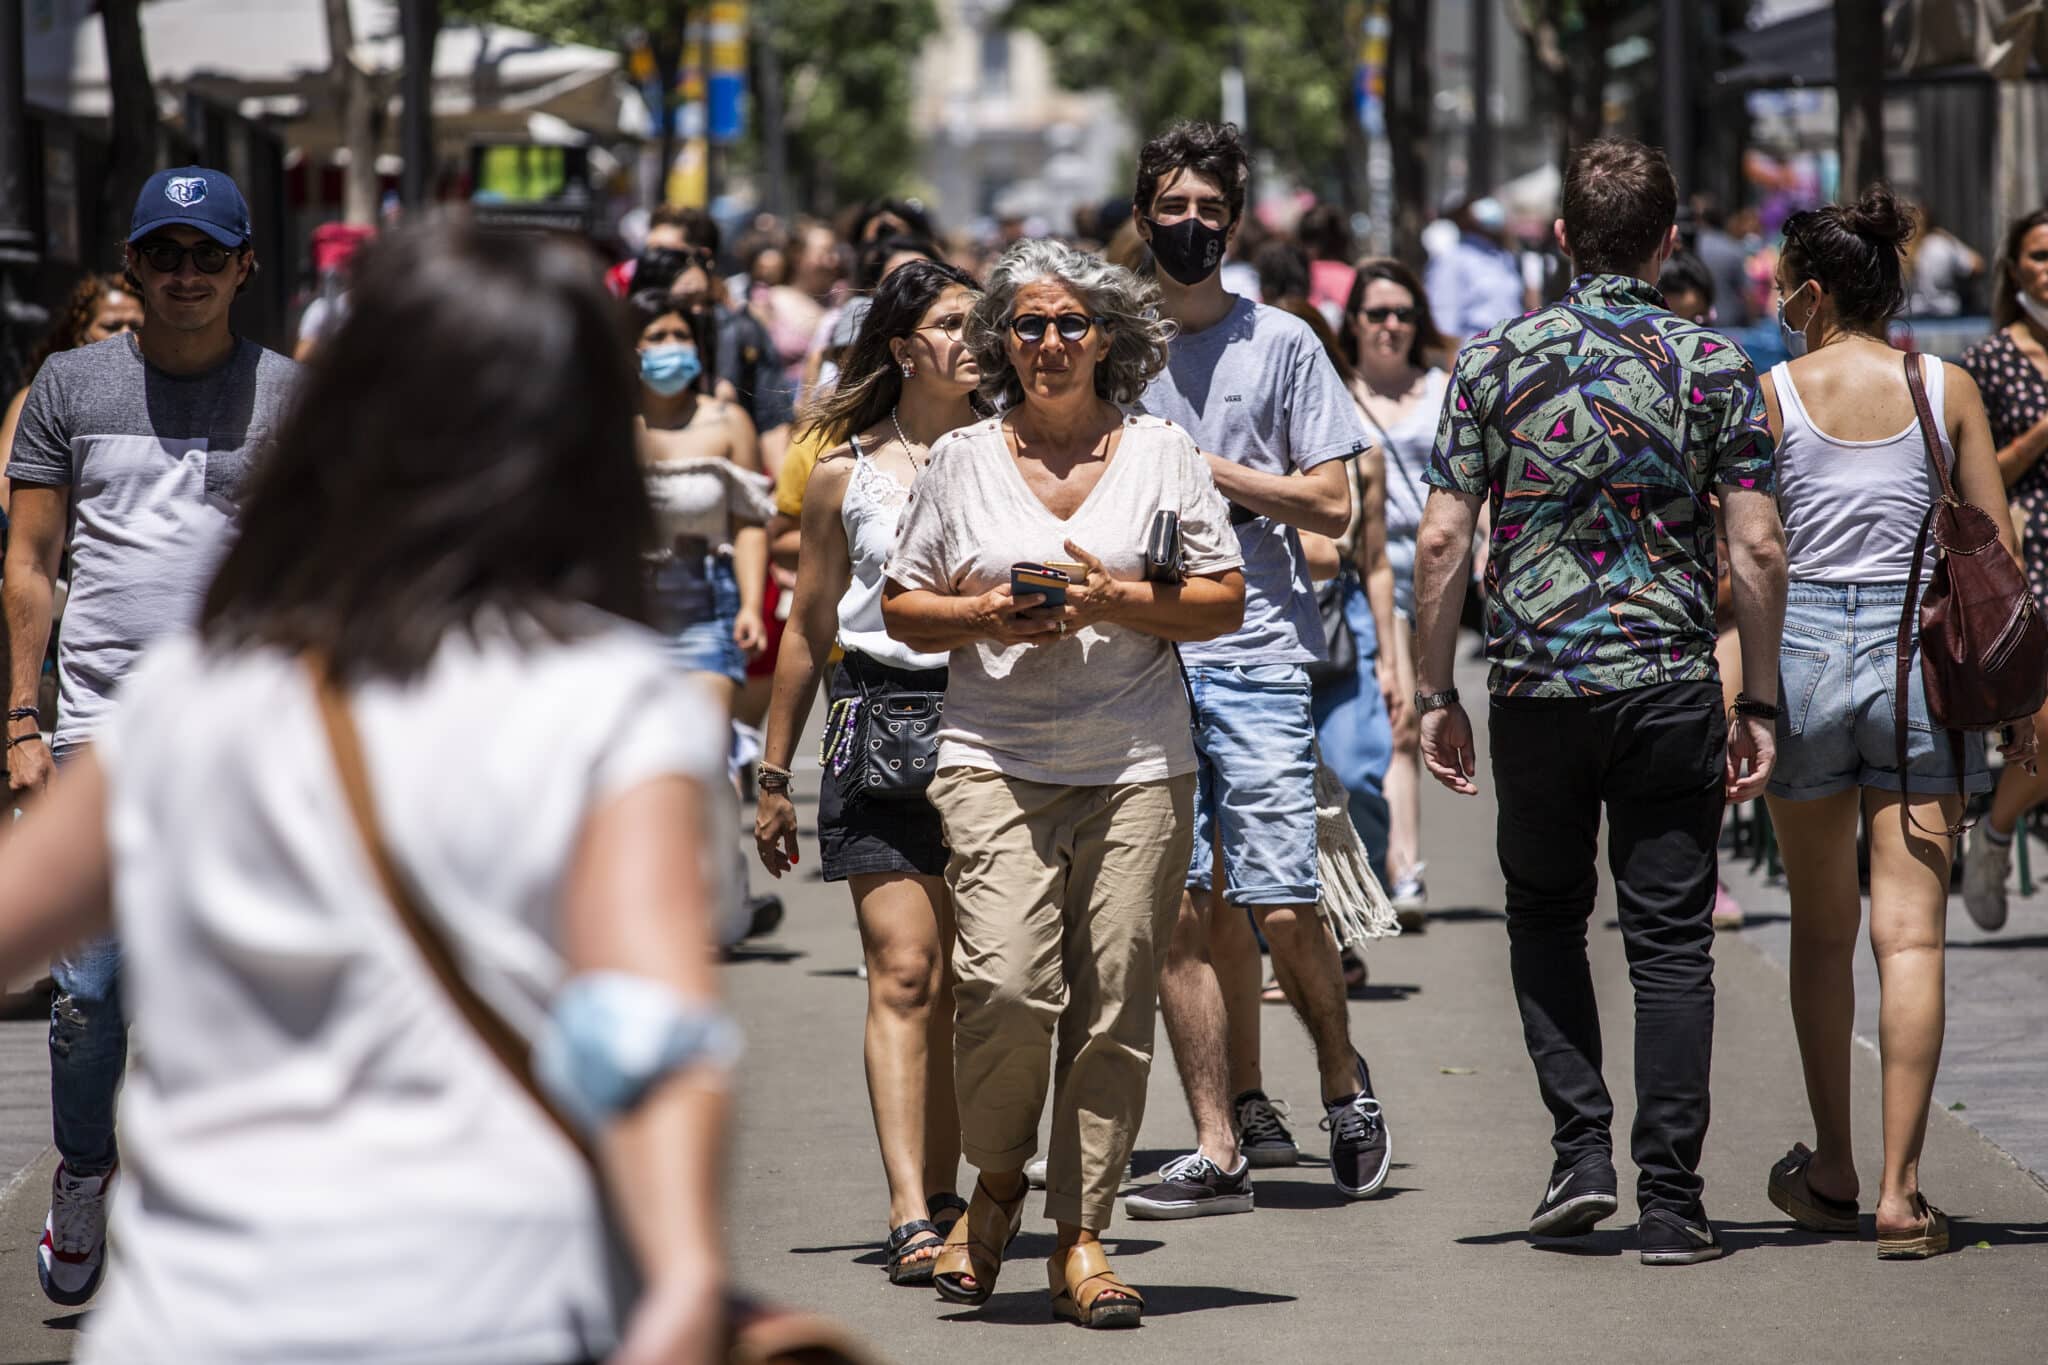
[439,562]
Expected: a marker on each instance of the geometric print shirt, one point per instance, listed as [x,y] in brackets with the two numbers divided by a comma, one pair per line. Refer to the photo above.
[1597,429]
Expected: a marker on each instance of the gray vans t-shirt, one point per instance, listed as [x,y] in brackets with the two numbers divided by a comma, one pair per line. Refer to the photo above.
[155,463]
[1258,389]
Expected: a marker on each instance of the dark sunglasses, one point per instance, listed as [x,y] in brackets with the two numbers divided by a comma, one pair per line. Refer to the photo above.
[1380,315]
[1030,327]
[209,258]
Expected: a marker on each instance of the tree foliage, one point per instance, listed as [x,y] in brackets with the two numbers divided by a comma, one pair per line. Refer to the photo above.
[848,68]
[1166,62]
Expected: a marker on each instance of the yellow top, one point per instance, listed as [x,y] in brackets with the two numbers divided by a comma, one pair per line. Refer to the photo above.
[804,452]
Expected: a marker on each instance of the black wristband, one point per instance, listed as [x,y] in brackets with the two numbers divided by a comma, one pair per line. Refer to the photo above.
[13,740]
[1746,705]
[24,713]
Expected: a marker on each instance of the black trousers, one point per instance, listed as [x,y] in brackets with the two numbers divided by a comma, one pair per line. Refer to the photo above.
[1652,758]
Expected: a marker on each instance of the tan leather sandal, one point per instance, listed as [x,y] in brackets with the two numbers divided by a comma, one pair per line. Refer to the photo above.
[1930,1239]
[1081,1283]
[974,1248]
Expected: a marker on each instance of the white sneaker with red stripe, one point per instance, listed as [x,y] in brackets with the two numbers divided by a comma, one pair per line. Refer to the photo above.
[73,1253]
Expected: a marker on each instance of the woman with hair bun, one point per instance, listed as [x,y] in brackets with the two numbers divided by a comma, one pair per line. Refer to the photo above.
[2011,370]
[1854,486]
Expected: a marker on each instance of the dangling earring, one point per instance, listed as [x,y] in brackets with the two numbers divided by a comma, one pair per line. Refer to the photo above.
[909,370]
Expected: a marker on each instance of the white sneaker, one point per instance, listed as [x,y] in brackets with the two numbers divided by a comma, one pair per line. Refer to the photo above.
[1410,896]
[1985,865]
[1034,1173]
[73,1252]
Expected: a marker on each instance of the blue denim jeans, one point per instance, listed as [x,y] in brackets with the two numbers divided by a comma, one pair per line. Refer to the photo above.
[88,1048]
[1356,736]
[1255,797]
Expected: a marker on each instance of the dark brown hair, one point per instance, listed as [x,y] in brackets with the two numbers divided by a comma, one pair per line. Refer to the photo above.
[1211,150]
[461,447]
[79,311]
[2005,278]
[645,307]
[870,384]
[1854,251]
[1428,340]
[1620,201]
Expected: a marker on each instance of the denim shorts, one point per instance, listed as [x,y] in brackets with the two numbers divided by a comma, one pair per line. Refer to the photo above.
[1837,671]
[696,603]
[1255,794]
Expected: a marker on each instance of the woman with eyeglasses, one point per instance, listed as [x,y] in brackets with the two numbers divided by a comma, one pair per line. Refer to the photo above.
[100,307]
[1066,771]
[908,380]
[1393,345]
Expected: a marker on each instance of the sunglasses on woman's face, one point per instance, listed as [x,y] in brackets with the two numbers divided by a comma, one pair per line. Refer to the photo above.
[1376,316]
[1030,327]
[210,258]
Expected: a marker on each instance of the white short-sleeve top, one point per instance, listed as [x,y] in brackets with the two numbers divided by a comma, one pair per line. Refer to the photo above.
[321,1161]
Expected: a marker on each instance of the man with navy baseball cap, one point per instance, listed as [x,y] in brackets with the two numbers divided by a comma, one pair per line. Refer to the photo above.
[130,453]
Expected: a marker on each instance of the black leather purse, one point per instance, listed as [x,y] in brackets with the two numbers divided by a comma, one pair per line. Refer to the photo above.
[895,746]
[1340,643]
[1162,550]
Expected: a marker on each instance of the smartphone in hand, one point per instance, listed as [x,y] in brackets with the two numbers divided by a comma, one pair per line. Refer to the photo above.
[1040,579]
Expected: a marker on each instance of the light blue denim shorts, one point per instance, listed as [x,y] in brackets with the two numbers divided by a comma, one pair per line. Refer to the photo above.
[1837,671]
[1255,793]
[696,602]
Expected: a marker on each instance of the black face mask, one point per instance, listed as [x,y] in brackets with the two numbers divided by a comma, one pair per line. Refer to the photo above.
[1188,251]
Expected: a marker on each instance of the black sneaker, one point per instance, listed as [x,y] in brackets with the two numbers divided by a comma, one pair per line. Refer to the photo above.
[1361,1150]
[1261,1136]
[1575,1199]
[1193,1186]
[1667,1237]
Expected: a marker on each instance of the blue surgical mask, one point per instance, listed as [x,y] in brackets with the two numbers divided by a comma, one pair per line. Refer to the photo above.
[1794,338]
[668,370]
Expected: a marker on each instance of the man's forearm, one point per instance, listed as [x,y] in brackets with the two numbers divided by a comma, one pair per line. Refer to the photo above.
[1443,567]
[29,595]
[1758,580]
[1304,502]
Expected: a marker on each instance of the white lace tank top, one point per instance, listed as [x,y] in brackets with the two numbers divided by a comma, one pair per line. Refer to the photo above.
[870,510]
[1853,509]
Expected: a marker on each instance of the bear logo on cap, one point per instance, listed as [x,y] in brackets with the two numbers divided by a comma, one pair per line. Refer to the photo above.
[186,190]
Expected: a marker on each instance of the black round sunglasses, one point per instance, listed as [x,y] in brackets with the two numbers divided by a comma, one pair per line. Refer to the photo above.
[210,258]
[1030,327]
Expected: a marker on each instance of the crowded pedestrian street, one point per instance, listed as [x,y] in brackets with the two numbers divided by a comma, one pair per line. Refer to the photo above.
[1438,1267]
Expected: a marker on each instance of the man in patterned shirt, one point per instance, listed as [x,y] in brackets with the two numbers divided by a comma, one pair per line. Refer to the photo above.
[1599,431]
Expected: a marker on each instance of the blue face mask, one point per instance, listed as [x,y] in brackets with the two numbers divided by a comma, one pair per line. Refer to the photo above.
[668,370]
[1794,338]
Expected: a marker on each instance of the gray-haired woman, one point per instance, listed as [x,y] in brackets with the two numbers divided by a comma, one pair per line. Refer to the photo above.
[1065,770]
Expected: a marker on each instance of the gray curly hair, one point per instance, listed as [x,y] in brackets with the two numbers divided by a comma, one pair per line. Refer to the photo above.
[1128,305]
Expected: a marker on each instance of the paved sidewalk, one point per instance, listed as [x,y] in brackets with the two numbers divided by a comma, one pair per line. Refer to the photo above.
[1438,1267]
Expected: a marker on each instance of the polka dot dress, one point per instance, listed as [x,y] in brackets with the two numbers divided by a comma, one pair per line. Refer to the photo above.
[2015,398]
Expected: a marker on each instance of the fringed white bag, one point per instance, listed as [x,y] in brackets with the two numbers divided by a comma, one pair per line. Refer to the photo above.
[1354,904]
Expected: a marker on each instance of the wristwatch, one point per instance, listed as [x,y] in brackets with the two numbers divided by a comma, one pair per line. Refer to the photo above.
[1426,702]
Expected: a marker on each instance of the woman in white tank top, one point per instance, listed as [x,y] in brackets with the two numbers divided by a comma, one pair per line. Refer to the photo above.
[1854,484]
[907,381]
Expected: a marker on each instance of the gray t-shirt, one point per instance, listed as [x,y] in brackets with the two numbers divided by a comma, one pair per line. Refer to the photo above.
[1106,704]
[155,463]
[1258,389]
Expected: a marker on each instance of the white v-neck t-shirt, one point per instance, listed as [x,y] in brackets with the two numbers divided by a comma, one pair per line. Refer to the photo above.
[1106,704]
[321,1160]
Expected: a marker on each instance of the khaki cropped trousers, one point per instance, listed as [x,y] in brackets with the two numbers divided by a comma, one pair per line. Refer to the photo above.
[1064,899]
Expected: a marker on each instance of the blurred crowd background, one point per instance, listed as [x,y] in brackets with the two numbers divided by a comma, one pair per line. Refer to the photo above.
[1430,130]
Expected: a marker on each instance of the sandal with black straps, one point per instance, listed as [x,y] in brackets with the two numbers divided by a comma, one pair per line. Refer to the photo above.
[913,1248]
[1790,1189]
[945,1209]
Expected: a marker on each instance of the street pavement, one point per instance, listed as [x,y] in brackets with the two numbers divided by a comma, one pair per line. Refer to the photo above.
[1438,1267]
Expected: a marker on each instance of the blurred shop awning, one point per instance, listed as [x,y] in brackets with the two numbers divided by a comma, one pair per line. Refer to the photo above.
[269,60]
[1926,41]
